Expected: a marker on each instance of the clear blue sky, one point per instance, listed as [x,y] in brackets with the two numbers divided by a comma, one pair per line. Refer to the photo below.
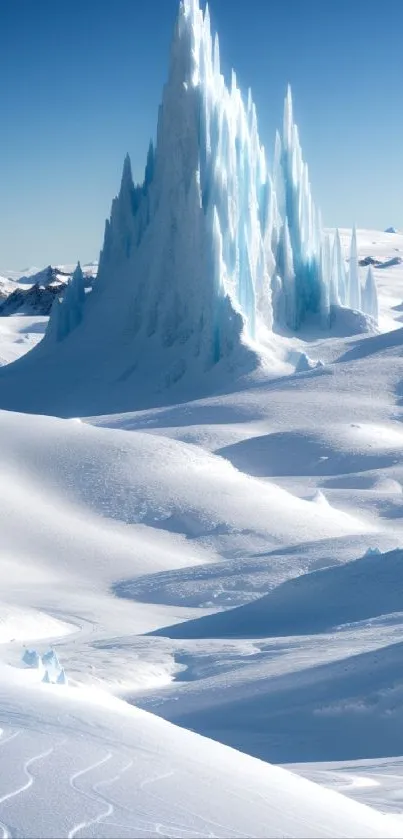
[81,80]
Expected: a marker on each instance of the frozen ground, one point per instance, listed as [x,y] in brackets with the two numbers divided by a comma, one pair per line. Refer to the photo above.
[179,558]
[18,334]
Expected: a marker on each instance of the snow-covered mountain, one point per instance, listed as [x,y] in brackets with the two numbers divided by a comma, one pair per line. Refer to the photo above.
[36,300]
[34,292]
[50,274]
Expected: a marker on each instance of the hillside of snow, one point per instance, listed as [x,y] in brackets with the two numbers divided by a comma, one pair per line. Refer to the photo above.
[245,524]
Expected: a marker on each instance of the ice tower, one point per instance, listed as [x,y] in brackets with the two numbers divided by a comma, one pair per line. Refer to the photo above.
[299,230]
[200,262]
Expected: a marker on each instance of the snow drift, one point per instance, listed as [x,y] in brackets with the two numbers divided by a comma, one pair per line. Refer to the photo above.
[316,602]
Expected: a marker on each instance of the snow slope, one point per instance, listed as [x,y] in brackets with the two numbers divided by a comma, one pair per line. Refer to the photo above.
[19,334]
[119,525]
[365,588]
[82,764]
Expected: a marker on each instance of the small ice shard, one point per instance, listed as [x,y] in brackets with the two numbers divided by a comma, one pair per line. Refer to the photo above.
[62,678]
[320,498]
[372,552]
[305,363]
[354,287]
[50,659]
[32,659]
[370,295]
[46,678]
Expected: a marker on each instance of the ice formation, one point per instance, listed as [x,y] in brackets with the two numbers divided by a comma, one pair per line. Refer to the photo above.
[212,244]
[49,664]
[32,659]
[67,309]
[354,299]
[303,252]
[369,295]
[210,253]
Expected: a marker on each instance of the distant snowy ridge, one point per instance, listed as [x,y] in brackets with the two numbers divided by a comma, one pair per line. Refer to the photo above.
[34,293]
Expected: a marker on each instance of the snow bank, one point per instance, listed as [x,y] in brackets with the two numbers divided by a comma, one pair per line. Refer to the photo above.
[317,602]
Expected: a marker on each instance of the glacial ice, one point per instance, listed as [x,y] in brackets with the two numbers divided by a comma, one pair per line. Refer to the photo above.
[354,298]
[253,236]
[32,659]
[49,664]
[67,310]
[369,296]
[214,249]
[50,659]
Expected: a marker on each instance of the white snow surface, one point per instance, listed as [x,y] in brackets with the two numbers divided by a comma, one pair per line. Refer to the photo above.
[206,565]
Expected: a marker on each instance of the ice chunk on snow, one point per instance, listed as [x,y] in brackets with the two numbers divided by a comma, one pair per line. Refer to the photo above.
[305,363]
[54,672]
[370,296]
[320,498]
[32,658]
[373,552]
[61,678]
[50,659]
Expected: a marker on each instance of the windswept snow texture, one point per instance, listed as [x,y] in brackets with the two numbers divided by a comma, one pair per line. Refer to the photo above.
[318,602]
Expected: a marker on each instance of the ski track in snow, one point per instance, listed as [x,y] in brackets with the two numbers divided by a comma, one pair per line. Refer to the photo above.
[24,787]
[3,741]
[149,781]
[81,825]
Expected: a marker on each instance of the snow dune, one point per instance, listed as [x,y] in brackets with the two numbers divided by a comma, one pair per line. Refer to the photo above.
[109,769]
[142,485]
[317,602]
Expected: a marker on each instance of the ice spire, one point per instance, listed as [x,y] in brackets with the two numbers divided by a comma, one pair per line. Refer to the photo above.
[212,248]
[67,310]
[339,284]
[354,287]
[370,295]
[295,205]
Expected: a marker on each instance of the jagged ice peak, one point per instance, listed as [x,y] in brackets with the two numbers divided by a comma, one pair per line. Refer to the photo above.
[261,238]
[250,218]
[212,252]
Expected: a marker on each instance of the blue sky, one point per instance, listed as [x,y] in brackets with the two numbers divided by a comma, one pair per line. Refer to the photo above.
[81,81]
